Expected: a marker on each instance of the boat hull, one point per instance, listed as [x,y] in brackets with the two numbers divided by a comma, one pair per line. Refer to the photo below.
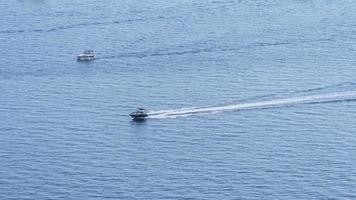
[85,58]
[138,117]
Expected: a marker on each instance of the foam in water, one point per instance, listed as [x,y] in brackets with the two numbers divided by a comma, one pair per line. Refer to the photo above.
[320,98]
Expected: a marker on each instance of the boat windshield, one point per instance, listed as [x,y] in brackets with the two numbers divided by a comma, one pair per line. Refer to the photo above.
[88,52]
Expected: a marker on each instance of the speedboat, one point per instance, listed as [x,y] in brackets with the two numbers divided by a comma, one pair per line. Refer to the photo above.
[139,114]
[86,55]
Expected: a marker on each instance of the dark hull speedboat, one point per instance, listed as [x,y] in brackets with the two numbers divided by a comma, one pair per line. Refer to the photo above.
[140,114]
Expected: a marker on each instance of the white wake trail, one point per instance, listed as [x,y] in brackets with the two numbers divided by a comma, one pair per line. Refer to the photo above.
[339,96]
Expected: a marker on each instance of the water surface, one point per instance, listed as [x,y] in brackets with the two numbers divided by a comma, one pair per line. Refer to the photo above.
[65,132]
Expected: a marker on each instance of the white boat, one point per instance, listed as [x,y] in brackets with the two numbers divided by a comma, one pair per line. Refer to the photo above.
[86,55]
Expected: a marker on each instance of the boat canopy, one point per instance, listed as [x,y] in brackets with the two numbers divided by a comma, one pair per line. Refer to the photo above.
[88,52]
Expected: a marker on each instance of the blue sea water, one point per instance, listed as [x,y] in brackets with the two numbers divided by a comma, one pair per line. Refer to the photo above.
[253,99]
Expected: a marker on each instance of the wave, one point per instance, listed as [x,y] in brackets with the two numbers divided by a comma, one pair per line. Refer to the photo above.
[329,87]
[213,48]
[70,26]
[309,99]
[83,24]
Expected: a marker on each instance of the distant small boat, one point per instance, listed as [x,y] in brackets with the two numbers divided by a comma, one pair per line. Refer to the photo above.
[140,114]
[86,56]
